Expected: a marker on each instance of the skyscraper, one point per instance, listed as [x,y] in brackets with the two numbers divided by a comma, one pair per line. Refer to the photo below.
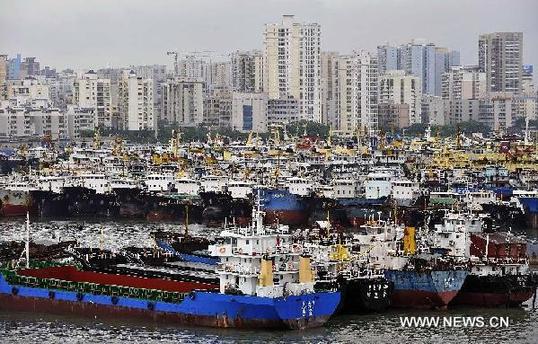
[292,64]
[500,56]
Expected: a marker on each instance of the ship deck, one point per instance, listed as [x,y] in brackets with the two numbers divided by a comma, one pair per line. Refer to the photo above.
[72,274]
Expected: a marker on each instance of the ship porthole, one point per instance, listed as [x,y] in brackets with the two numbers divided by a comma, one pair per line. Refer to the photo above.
[52,294]
[80,296]
[151,306]
[14,290]
[114,300]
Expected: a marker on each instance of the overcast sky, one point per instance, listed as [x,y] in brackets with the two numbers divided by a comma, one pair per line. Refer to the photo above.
[97,33]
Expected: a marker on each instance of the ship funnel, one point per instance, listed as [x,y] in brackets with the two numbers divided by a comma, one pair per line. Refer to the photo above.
[409,240]
[266,273]
[305,270]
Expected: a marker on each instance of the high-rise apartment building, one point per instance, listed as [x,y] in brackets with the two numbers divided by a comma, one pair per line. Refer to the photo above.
[387,57]
[218,108]
[418,58]
[463,82]
[29,67]
[500,56]
[247,71]
[218,76]
[398,87]
[329,89]
[183,102]
[292,64]
[463,87]
[497,110]
[3,76]
[14,68]
[357,92]
[135,102]
[158,74]
[91,92]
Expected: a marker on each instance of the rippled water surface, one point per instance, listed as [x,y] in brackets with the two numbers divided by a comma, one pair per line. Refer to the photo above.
[377,328]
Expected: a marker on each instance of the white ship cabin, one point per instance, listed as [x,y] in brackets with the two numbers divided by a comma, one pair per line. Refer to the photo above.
[476,198]
[379,230]
[258,260]
[51,183]
[123,184]
[300,186]
[187,186]
[157,182]
[214,183]
[88,155]
[453,233]
[405,192]
[239,189]
[95,181]
[377,185]
[345,188]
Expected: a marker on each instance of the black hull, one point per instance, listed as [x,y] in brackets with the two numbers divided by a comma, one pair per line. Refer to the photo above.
[495,291]
[362,295]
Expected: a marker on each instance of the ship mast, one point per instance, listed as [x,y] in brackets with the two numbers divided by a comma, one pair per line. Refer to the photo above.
[27,244]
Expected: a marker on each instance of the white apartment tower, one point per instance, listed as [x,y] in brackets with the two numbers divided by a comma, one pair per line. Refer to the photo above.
[292,64]
[92,92]
[357,92]
[135,102]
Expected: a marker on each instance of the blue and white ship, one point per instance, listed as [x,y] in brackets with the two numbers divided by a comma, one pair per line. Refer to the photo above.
[265,282]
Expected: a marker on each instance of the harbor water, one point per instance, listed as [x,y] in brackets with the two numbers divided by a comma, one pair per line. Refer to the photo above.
[521,326]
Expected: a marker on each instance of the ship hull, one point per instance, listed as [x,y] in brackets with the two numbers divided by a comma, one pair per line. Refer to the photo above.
[494,291]
[287,217]
[9,210]
[283,207]
[430,289]
[14,203]
[197,308]
[361,295]
[366,295]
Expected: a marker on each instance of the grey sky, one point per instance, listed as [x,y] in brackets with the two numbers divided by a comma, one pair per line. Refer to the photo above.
[96,33]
